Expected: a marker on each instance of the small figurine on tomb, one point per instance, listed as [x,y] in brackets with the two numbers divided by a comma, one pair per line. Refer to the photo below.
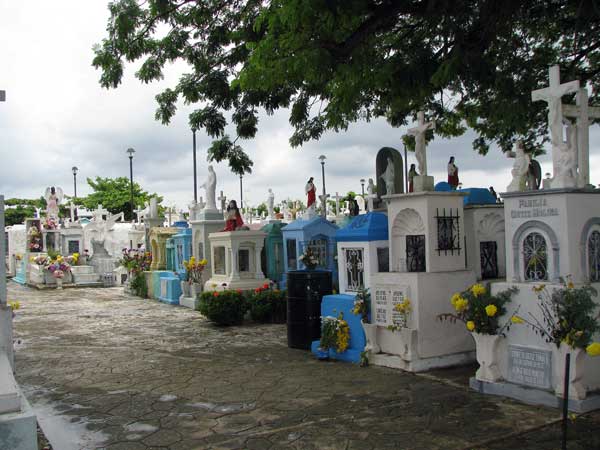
[311,192]
[389,177]
[353,207]
[412,173]
[234,218]
[493,192]
[452,173]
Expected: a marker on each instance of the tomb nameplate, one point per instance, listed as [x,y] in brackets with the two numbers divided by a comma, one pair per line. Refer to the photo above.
[386,298]
[530,366]
[533,208]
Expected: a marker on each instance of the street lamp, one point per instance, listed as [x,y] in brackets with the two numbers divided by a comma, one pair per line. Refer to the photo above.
[241,194]
[74,169]
[131,151]
[195,180]
[362,186]
[322,158]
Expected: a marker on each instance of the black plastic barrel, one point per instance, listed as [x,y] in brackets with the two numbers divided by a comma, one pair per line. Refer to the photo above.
[305,292]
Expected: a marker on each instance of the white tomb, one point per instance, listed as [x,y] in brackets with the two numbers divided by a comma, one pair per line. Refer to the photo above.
[484,228]
[427,263]
[236,260]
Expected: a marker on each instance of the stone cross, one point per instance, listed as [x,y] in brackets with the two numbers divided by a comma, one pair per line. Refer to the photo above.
[72,208]
[582,113]
[553,95]
[99,213]
[139,214]
[337,197]
[420,145]
[223,200]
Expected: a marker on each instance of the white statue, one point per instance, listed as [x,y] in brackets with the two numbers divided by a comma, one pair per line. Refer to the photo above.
[520,168]
[566,170]
[270,204]
[371,195]
[54,197]
[210,186]
[153,207]
[389,177]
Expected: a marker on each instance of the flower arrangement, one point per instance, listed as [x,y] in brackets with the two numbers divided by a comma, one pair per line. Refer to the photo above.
[50,224]
[309,259]
[480,310]
[567,316]
[35,238]
[224,308]
[194,269]
[403,308]
[54,263]
[268,304]
[362,304]
[335,333]
[135,261]
[18,256]
[14,305]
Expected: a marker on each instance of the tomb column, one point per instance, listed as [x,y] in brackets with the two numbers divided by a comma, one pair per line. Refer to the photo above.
[258,274]
[235,270]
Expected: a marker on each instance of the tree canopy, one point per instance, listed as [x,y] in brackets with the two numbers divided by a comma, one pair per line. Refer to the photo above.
[333,62]
[114,194]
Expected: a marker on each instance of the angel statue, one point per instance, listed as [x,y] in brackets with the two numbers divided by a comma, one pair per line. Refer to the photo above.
[54,197]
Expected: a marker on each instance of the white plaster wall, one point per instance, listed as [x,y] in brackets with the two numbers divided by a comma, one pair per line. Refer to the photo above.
[425,204]
[430,295]
[17,243]
[485,223]
[200,231]
[573,210]
[370,262]
[527,302]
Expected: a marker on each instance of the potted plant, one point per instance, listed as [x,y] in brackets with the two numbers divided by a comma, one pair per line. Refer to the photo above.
[309,259]
[268,304]
[362,307]
[481,311]
[224,308]
[193,274]
[569,321]
[136,261]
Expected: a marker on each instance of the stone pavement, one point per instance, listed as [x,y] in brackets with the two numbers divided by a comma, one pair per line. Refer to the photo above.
[106,370]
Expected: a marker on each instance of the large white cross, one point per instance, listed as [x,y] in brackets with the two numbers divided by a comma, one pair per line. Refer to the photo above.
[337,197]
[553,95]
[99,213]
[582,114]
[420,144]
[222,199]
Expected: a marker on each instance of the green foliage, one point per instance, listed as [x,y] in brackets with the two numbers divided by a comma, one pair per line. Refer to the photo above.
[268,305]
[23,208]
[114,194]
[335,62]
[138,284]
[568,315]
[223,308]
[473,308]
[262,209]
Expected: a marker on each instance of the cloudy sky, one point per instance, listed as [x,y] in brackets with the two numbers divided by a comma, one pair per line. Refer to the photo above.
[57,116]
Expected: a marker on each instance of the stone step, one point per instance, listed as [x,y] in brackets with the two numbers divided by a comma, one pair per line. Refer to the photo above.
[10,398]
[81,270]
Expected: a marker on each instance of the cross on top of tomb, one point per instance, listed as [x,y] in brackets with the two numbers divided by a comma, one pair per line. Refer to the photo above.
[99,213]
[223,201]
[420,145]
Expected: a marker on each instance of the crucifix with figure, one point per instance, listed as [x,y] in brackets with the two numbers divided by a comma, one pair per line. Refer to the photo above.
[552,95]
[420,144]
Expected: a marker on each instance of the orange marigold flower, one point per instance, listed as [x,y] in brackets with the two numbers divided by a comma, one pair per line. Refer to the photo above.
[215,294]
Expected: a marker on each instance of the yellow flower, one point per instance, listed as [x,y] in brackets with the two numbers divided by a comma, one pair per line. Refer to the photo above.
[491,310]
[593,349]
[461,304]
[14,305]
[539,288]
[570,285]
[516,319]
[203,262]
[454,299]
[31,259]
[477,290]
[470,325]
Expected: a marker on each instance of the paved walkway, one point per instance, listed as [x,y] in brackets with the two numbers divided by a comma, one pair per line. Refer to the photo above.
[107,370]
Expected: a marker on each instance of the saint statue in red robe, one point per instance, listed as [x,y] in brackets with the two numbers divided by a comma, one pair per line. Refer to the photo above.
[234,218]
[311,192]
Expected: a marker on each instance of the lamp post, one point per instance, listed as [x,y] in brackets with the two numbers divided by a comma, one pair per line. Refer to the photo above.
[241,194]
[131,151]
[74,169]
[195,179]
[322,158]
[362,186]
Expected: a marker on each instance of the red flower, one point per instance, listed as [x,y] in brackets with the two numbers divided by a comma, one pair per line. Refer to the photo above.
[266,286]
[257,290]
[215,294]
[239,291]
